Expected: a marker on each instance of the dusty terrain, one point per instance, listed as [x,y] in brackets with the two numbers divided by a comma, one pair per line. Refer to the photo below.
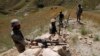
[83,40]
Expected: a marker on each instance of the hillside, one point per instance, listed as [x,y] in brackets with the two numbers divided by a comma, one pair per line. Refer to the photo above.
[27,5]
[35,20]
[82,40]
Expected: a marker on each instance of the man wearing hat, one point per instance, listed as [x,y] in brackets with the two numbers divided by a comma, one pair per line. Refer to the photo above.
[17,36]
[53,29]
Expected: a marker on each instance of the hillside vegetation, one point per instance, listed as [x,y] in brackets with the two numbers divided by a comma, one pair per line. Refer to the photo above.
[37,17]
[6,6]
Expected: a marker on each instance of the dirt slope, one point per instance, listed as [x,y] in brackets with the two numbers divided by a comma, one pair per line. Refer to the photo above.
[82,39]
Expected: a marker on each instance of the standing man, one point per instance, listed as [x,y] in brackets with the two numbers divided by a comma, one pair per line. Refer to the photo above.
[17,36]
[53,29]
[79,13]
[61,17]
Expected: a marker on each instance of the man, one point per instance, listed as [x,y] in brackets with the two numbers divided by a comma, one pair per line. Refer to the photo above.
[79,13]
[53,29]
[17,36]
[61,17]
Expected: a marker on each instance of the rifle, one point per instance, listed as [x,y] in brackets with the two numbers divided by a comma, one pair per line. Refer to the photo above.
[45,43]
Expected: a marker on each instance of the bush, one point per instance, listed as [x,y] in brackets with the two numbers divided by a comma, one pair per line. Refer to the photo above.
[4,12]
[39,3]
[97,38]
[84,31]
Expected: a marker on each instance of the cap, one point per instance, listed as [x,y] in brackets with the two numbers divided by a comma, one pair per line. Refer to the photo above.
[14,20]
[53,20]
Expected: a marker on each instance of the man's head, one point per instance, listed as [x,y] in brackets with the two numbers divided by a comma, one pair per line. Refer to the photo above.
[79,5]
[15,23]
[61,12]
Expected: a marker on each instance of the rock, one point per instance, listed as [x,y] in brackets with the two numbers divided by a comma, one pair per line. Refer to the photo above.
[89,42]
[64,51]
[25,14]
[90,36]
[49,52]
[80,37]
[56,48]
[30,52]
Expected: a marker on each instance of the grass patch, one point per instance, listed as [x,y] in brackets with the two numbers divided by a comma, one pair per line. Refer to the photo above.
[69,28]
[84,31]
[2,16]
[94,54]
[19,5]
[95,17]
[40,30]
[75,39]
[97,38]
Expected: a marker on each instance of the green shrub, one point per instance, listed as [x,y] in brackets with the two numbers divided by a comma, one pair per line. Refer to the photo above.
[84,31]
[97,38]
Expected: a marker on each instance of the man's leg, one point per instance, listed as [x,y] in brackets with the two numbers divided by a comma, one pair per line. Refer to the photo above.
[77,18]
[61,23]
[80,18]
[20,48]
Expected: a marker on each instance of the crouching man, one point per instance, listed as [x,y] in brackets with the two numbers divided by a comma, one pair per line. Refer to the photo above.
[17,36]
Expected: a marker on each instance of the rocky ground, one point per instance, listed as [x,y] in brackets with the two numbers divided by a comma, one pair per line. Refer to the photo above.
[84,39]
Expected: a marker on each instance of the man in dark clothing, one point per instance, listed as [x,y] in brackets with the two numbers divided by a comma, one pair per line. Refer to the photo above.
[53,29]
[17,36]
[61,17]
[79,13]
